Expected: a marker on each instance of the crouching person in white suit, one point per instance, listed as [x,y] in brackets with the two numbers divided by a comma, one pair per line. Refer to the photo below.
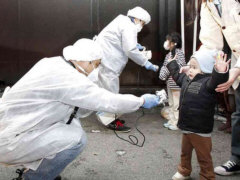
[38,127]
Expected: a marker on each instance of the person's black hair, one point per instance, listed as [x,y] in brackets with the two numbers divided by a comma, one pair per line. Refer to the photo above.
[175,38]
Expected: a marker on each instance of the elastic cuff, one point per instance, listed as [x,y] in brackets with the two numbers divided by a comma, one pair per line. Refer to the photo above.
[141,101]
[144,64]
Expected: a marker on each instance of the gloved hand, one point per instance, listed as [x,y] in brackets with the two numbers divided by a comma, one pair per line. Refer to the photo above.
[150,66]
[150,101]
[140,47]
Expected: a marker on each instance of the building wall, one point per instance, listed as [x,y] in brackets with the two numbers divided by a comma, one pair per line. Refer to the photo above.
[33,29]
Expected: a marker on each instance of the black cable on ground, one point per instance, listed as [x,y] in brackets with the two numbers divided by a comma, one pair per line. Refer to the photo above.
[133,139]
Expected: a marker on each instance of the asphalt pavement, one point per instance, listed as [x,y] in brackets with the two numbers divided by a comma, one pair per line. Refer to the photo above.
[106,157]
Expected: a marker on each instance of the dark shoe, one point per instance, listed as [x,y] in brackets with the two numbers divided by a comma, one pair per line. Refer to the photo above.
[58,178]
[118,125]
[20,173]
[227,169]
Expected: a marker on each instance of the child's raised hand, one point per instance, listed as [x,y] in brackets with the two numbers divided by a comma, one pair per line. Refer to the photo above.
[221,64]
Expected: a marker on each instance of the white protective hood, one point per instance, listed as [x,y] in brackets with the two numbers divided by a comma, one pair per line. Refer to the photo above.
[118,41]
[140,13]
[83,50]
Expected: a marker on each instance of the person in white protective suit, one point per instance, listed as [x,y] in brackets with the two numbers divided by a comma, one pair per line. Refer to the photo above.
[119,42]
[39,126]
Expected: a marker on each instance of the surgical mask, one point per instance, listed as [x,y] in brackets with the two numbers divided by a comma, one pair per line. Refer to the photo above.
[93,76]
[139,27]
[166,45]
[82,69]
[86,71]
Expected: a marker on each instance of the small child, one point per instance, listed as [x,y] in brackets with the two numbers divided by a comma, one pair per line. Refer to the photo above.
[173,44]
[196,110]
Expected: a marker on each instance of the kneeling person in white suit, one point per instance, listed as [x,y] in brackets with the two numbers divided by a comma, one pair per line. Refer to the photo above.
[38,127]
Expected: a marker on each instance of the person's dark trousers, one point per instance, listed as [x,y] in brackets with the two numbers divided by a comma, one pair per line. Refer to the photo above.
[236,129]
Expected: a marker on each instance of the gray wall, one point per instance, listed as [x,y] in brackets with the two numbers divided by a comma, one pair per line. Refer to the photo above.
[33,29]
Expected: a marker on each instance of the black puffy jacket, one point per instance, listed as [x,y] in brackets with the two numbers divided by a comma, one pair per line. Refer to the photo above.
[197,99]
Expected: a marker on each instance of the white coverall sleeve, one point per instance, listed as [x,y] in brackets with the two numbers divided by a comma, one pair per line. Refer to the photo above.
[85,94]
[210,33]
[129,45]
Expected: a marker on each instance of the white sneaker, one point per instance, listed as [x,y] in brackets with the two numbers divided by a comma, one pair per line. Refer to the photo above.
[227,169]
[166,125]
[178,176]
[173,127]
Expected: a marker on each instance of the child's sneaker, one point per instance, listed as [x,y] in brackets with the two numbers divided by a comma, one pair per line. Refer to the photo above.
[227,169]
[178,176]
[118,125]
[173,127]
[166,125]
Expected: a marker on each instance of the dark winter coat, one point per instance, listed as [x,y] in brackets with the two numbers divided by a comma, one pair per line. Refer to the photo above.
[197,99]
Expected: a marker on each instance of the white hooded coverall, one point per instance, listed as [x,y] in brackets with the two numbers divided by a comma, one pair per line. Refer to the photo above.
[34,112]
[118,41]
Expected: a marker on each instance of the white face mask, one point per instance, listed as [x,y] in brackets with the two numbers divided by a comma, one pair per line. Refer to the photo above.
[139,27]
[81,69]
[166,45]
[93,76]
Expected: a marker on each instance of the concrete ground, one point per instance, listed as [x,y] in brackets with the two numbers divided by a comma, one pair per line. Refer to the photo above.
[157,160]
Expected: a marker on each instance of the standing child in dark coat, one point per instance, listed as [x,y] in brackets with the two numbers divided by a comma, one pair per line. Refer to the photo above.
[196,110]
